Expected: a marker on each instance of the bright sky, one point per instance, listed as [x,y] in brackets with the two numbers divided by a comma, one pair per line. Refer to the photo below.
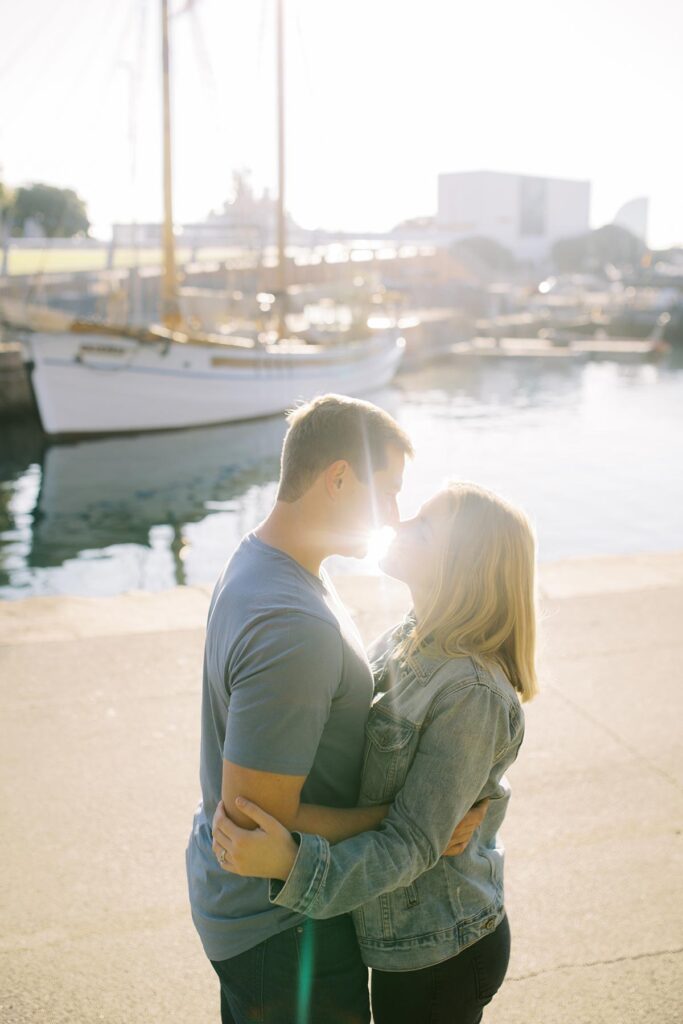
[382,95]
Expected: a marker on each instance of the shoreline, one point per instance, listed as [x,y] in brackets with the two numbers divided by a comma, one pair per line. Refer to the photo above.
[68,617]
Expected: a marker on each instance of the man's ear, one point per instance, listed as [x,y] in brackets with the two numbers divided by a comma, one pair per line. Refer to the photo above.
[335,475]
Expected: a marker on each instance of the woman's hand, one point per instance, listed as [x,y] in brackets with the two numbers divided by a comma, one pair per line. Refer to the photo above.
[268,851]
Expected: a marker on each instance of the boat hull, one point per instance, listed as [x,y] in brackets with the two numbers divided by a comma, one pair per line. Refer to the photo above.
[89,384]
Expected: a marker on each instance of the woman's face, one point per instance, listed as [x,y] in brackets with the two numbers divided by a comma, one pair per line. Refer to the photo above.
[414,554]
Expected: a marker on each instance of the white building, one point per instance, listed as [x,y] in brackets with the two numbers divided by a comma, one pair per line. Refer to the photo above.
[525,214]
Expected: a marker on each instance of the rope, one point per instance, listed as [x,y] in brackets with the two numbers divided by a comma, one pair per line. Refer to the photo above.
[37,278]
[32,36]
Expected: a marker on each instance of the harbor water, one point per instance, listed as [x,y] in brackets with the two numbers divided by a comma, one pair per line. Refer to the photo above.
[593,450]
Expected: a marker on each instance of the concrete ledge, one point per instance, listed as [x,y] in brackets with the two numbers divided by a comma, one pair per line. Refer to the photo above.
[67,618]
[611,574]
[99,741]
[44,619]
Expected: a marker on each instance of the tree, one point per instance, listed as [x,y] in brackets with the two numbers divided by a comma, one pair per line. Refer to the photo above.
[593,250]
[6,199]
[58,212]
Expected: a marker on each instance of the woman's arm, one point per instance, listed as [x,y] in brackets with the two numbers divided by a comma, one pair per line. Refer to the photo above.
[469,733]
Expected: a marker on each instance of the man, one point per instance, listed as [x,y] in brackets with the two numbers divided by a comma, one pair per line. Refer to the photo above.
[286,693]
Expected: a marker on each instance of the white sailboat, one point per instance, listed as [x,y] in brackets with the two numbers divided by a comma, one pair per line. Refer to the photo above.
[91,378]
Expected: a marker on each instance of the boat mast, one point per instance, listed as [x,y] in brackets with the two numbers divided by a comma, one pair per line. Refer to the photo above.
[170,308]
[281,226]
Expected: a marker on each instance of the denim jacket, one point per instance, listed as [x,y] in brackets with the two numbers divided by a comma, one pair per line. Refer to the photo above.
[440,735]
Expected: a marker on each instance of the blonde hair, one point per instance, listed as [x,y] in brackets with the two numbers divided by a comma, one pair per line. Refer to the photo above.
[483,603]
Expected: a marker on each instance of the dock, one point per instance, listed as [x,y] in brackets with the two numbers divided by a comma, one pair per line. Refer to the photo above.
[16,399]
[544,348]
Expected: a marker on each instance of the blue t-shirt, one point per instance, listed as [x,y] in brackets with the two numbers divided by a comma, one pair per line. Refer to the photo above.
[286,689]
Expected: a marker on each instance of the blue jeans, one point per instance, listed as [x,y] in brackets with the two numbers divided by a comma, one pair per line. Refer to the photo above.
[311,974]
[454,991]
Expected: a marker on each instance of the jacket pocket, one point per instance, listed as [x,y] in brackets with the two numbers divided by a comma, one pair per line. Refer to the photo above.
[389,749]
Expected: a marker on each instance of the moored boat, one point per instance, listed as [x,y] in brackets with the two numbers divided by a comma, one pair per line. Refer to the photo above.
[98,378]
[94,383]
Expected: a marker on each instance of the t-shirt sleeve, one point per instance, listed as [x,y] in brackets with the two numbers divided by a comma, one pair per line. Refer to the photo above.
[282,679]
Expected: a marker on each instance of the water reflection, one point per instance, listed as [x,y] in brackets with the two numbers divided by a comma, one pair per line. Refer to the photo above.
[128,501]
[592,450]
[479,392]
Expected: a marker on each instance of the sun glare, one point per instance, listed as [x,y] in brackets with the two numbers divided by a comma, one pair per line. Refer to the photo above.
[379,542]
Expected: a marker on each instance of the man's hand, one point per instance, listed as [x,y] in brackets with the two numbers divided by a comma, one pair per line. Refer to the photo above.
[267,851]
[466,829]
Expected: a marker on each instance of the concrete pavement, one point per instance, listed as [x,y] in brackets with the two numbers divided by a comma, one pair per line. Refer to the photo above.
[98,782]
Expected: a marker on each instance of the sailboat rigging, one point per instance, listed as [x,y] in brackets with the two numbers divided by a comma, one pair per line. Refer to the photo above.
[170,306]
[99,378]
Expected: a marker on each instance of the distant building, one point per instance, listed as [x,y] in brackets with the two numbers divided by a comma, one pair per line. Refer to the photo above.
[216,233]
[247,211]
[247,220]
[633,217]
[525,214]
[136,234]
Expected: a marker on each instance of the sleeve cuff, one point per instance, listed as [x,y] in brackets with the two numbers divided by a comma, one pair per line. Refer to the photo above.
[298,892]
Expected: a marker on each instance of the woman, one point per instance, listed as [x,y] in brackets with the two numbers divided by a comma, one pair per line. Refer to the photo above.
[446,727]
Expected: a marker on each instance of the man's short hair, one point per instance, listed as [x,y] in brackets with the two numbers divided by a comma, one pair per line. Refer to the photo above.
[333,427]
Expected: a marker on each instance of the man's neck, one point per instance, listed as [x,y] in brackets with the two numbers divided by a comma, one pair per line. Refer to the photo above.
[288,529]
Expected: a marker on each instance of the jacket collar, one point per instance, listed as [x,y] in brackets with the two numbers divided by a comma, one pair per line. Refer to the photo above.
[422,665]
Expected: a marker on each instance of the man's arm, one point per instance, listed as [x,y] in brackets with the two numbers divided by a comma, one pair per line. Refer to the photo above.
[280,795]
[282,681]
[279,704]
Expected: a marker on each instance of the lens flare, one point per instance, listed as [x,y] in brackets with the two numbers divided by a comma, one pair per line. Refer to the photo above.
[377,547]
[306,966]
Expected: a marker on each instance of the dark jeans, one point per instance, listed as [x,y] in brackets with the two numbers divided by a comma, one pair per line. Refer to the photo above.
[452,992]
[312,974]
